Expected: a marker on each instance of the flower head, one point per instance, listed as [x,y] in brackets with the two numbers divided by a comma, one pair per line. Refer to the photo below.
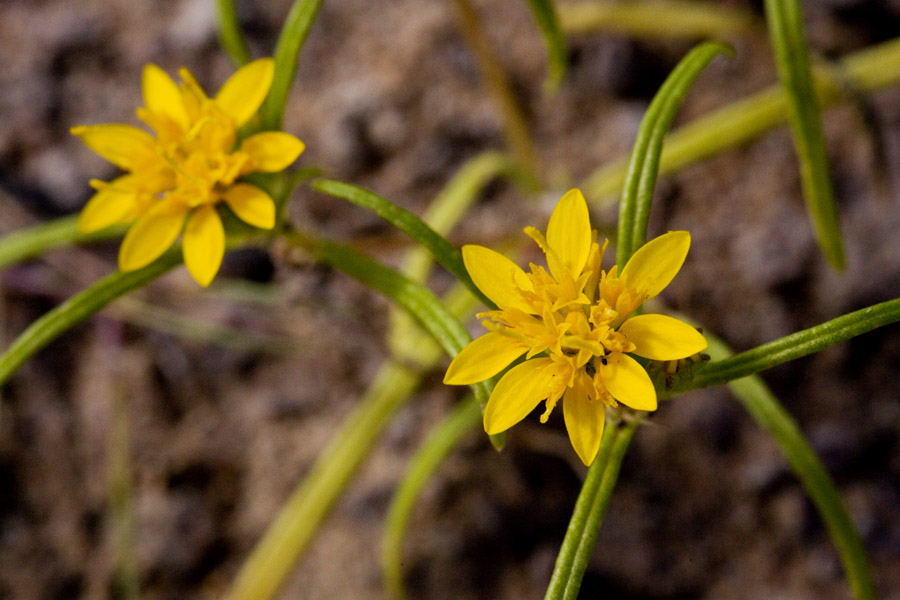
[574,325]
[176,178]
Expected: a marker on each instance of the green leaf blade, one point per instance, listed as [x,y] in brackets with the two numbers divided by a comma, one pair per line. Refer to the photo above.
[794,346]
[743,121]
[785,20]
[446,329]
[640,178]
[554,39]
[231,36]
[443,439]
[21,245]
[769,414]
[78,308]
[442,250]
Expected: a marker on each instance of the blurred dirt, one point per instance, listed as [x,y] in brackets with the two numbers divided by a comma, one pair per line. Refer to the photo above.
[388,96]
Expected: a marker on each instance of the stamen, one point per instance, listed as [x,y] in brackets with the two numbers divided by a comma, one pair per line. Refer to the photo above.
[578,343]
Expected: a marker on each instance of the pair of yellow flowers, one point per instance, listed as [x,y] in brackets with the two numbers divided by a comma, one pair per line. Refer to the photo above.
[573,324]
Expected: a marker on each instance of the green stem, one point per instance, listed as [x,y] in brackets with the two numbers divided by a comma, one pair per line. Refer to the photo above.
[598,509]
[587,515]
[745,120]
[515,126]
[440,443]
[791,347]
[771,416]
[23,244]
[287,54]
[785,19]
[77,308]
[231,36]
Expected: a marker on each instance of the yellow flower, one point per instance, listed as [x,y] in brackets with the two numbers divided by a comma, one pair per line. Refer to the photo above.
[176,178]
[574,327]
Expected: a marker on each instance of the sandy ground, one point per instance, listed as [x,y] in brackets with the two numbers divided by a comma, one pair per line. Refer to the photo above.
[388,97]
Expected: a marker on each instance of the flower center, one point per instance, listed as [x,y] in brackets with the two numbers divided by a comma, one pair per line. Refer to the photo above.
[577,333]
[202,157]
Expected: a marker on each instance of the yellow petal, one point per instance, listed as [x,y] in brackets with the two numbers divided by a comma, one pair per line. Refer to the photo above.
[244,92]
[272,151]
[125,146]
[628,382]
[151,235]
[483,358]
[557,267]
[517,393]
[204,244]
[656,263]
[252,205]
[107,207]
[569,231]
[162,95]
[584,421]
[498,277]
[659,337]
[192,95]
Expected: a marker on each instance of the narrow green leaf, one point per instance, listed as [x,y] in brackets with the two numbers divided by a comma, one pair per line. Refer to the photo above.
[78,308]
[640,179]
[125,580]
[442,215]
[745,120]
[23,244]
[300,517]
[515,125]
[444,327]
[771,416]
[791,347]
[442,250]
[785,19]
[656,19]
[464,188]
[287,52]
[590,508]
[306,509]
[554,39]
[413,353]
[457,197]
[188,327]
[231,36]
[442,440]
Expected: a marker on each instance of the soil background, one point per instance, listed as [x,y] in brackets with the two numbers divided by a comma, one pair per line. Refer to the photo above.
[388,96]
